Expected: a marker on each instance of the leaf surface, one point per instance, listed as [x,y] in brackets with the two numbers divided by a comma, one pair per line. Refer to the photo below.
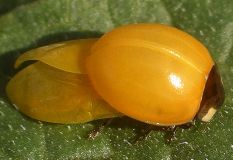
[45,22]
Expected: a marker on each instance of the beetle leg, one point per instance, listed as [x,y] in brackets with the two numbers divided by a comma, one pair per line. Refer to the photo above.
[170,132]
[143,133]
[169,136]
[97,130]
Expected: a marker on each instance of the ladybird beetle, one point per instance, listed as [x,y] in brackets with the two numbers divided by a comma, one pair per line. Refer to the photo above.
[154,73]
[150,72]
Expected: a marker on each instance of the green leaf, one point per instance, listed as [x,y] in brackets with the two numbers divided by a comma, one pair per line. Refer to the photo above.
[44,22]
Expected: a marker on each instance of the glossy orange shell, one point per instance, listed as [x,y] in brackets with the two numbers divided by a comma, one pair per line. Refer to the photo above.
[150,72]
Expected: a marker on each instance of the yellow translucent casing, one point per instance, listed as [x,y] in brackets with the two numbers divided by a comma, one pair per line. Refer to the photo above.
[55,89]
[68,56]
[150,72]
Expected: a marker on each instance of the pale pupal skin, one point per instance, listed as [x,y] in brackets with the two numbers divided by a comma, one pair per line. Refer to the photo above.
[68,56]
[150,72]
[55,88]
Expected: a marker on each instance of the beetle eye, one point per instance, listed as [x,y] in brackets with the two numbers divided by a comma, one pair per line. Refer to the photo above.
[176,81]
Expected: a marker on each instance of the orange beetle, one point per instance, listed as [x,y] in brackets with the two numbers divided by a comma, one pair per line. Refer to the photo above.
[150,72]
[154,73]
